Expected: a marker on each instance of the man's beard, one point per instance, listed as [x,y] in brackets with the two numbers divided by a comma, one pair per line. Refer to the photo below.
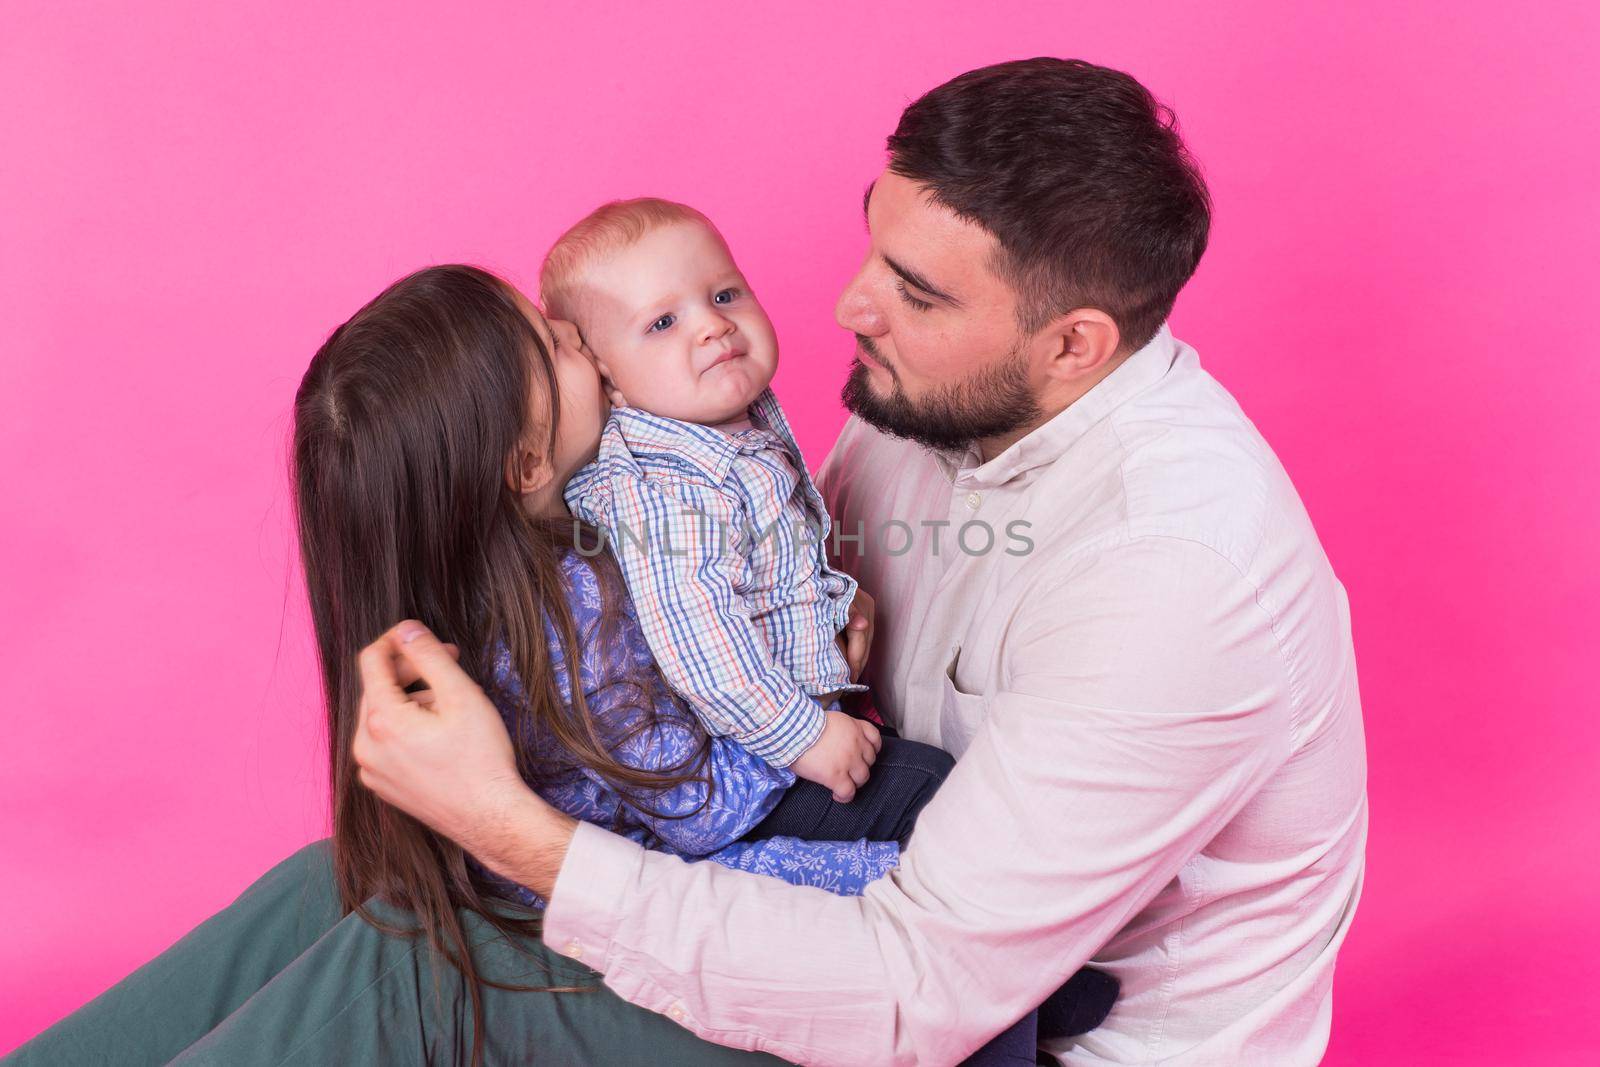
[993,402]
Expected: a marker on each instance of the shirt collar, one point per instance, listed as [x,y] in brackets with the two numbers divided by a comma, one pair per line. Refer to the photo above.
[768,416]
[712,452]
[1048,442]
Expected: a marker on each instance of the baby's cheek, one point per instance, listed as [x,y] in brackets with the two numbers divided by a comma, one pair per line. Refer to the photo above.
[628,375]
[653,390]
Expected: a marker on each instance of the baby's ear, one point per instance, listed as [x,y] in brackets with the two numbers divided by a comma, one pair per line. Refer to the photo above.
[613,394]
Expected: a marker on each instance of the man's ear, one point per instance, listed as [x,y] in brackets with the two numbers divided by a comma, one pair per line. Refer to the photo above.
[1079,344]
[530,470]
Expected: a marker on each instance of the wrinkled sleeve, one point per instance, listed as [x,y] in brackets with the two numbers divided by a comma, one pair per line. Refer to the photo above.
[706,816]
[733,791]
[680,553]
[1141,712]
[844,868]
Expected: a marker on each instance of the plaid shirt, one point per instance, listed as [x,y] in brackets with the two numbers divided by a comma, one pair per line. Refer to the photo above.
[707,817]
[721,539]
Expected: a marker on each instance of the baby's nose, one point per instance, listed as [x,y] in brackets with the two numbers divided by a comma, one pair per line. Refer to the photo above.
[715,326]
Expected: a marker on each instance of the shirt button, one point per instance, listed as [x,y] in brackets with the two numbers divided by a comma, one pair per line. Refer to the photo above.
[973,500]
[573,949]
[676,1013]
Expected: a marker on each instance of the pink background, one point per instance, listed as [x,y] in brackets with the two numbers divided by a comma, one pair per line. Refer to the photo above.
[1398,290]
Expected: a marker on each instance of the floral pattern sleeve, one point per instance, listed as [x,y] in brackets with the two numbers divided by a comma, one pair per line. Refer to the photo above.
[647,727]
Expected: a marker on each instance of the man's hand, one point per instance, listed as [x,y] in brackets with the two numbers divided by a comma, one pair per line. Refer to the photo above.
[443,756]
[841,759]
[855,641]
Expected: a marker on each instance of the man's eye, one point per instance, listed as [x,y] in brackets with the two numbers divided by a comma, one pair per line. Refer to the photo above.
[920,305]
[726,296]
[663,323]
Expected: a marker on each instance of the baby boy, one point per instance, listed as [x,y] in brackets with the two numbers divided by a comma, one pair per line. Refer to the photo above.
[702,492]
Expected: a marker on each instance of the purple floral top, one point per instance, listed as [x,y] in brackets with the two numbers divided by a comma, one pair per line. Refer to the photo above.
[745,787]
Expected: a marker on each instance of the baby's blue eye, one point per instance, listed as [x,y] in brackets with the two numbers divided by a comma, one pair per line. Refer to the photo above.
[663,323]
[726,296]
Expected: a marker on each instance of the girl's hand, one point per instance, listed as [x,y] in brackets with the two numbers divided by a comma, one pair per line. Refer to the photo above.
[856,638]
[441,755]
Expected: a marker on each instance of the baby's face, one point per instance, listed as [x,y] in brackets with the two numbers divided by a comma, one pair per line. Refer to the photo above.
[676,328]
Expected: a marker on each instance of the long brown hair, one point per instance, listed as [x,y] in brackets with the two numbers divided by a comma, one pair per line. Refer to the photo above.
[404,427]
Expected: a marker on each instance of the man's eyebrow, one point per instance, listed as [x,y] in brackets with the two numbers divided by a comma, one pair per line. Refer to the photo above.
[906,273]
[911,276]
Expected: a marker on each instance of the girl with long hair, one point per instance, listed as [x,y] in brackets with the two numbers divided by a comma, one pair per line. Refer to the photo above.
[433,433]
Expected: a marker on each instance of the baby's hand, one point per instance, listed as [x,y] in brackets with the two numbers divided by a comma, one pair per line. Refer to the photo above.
[841,759]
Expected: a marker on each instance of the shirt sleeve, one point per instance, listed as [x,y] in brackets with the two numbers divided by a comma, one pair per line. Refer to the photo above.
[844,868]
[706,816]
[734,791]
[831,482]
[680,553]
[1139,714]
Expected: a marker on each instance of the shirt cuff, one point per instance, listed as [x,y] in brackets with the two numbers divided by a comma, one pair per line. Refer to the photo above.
[580,921]
[786,737]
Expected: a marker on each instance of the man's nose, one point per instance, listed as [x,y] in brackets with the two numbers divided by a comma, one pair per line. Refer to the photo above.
[856,311]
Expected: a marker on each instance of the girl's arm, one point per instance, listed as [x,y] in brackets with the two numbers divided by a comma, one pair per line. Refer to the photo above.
[696,822]
[841,867]
[734,791]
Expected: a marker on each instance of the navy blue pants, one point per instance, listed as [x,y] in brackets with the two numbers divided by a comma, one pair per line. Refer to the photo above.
[904,779]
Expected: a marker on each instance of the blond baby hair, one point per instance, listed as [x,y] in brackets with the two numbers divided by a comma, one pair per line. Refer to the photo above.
[606,230]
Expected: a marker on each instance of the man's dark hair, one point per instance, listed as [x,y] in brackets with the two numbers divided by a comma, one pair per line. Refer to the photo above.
[1078,172]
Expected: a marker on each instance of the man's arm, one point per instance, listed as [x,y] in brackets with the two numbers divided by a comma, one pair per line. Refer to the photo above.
[1143,711]
[524,840]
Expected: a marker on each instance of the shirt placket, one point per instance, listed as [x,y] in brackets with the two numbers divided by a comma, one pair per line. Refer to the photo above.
[955,577]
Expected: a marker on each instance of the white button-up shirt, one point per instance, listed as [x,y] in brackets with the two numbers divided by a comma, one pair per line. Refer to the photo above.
[1148,678]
